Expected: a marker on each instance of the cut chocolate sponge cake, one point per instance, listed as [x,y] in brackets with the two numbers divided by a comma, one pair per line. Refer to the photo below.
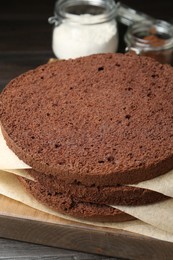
[65,204]
[110,195]
[104,119]
[88,127]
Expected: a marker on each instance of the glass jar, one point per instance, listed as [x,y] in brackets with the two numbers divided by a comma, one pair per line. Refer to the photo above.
[128,16]
[152,38]
[84,27]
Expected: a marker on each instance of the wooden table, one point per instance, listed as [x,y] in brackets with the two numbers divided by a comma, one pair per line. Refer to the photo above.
[25,42]
[10,249]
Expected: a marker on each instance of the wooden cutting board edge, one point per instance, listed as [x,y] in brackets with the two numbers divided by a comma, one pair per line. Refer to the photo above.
[20,222]
[92,240]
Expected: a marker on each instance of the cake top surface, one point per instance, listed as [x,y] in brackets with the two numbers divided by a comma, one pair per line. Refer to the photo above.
[102,115]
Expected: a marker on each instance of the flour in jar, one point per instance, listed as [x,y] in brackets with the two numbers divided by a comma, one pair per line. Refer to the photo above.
[83,35]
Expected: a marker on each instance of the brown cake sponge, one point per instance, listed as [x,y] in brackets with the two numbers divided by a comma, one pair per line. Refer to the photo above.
[104,119]
[64,204]
[109,195]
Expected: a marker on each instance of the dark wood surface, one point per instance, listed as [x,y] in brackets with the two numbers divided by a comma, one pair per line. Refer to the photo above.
[25,42]
[10,249]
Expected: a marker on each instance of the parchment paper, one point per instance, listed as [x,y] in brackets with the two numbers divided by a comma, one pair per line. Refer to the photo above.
[159,215]
[11,188]
[162,184]
[19,172]
[8,159]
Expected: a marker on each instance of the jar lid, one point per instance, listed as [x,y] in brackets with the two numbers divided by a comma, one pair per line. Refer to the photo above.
[128,16]
[100,10]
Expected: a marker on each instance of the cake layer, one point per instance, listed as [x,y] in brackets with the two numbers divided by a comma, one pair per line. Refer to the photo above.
[117,195]
[100,120]
[65,204]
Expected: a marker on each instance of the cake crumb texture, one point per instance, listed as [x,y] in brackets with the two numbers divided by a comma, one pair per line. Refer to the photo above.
[104,119]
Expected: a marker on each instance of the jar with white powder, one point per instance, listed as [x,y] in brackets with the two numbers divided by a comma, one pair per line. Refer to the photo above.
[84,27]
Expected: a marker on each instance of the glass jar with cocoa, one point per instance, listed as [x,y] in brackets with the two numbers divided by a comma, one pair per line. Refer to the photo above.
[152,38]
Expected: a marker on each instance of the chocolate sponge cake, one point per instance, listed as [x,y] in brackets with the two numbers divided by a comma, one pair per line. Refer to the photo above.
[66,205]
[92,125]
[78,204]
[104,119]
[110,195]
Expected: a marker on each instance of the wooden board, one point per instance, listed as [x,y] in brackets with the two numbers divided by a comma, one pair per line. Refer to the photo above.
[20,222]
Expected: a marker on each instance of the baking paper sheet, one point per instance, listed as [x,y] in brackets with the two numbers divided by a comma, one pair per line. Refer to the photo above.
[8,159]
[11,188]
[162,184]
[19,172]
[159,215]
